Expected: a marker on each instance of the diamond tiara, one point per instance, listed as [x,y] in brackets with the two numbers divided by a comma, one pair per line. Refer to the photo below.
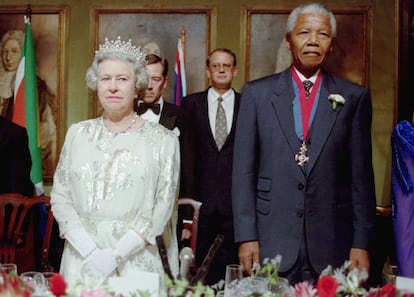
[121,47]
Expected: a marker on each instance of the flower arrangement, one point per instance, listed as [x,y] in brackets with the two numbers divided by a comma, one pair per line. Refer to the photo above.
[182,288]
[339,282]
[58,287]
[343,281]
[336,100]
[12,286]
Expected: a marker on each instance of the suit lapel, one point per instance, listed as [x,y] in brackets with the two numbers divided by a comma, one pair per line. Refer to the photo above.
[281,100]
[168,116]
[230,136]
[205,118]
[323,122]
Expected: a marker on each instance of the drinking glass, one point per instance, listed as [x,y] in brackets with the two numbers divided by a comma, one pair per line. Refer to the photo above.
[234,273]
[36,281]
[47,276]
[8,268]
[281,286]
[257,286]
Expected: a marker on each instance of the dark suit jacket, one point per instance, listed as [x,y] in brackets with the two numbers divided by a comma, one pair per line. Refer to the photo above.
[172,116]
[331,199]
[213,167]
[14,159]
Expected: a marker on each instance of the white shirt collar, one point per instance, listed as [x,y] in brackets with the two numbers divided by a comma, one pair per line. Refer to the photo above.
[214,95]
[312,78]
[149,115]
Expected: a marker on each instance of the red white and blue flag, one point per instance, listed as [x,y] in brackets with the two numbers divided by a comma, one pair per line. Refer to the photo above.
[180,88]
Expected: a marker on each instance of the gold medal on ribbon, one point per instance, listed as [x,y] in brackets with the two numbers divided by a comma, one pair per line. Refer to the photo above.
[302,158]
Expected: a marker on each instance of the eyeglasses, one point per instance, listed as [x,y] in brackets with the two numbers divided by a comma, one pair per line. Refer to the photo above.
[220,67]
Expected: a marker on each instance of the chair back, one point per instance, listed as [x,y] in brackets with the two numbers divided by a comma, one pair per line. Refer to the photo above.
[14,209]
[194,222]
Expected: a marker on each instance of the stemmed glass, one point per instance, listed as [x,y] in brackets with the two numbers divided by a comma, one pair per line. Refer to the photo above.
[234,273]
[8,268]
[36,280]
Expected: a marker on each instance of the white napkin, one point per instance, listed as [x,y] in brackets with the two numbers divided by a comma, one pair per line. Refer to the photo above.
[135,280]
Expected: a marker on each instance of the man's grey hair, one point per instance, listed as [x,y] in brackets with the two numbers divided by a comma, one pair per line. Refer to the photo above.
[310,8]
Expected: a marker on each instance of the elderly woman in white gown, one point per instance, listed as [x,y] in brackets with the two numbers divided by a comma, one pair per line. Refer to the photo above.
[115,186]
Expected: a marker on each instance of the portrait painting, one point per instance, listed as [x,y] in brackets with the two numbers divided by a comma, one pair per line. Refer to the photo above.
[157,32]
[48,38]
[267,53]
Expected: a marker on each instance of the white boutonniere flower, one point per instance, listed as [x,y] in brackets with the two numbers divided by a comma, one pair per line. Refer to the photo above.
[336,100]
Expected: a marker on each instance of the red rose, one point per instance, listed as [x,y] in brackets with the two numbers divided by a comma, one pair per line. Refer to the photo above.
[57,285]
[387,291]
[327,286]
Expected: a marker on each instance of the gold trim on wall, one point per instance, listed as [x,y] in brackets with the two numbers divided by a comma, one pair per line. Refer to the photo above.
[266,51]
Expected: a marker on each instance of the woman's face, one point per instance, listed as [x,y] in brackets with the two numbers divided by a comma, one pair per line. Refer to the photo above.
[116,86]
[11,53]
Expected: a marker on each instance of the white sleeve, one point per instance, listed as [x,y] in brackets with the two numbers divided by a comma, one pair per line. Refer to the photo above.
[129,244]
[81,241]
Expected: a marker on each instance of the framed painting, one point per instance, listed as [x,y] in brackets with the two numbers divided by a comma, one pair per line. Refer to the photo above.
[267,53]
[157,31]
[48,28]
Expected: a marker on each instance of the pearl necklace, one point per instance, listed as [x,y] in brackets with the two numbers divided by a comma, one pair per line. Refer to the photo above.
[126,129]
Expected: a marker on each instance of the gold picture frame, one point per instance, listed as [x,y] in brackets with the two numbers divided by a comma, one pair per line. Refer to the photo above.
[49,33]
[158,30]
[266,51]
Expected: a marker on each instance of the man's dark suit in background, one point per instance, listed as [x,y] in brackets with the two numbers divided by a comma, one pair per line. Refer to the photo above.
[214,165]
[14,159]
[170,116]
[152,107]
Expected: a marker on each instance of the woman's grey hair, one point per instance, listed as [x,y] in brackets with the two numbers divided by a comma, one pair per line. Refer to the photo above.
[138,67]
[17,35]
[310,8]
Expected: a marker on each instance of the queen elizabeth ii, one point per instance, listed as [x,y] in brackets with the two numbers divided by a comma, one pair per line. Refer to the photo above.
[115,186]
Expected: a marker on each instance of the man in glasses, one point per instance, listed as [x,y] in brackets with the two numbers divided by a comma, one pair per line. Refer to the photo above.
[214,113]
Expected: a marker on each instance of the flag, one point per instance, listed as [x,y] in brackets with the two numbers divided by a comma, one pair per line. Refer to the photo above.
[26,110]
[180,88]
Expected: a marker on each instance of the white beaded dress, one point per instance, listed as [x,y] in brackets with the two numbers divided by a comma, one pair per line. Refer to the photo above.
[111,183]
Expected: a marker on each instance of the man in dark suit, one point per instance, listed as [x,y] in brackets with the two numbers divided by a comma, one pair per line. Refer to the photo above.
[14,159]
[303,183]
[154,108]
[214,132]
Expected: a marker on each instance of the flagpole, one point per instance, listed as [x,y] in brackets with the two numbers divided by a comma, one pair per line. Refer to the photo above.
[29,13]
[183,34]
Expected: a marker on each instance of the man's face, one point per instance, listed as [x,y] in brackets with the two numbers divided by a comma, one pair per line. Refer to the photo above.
[11,54]
[310,42]
[221,70]
[156,83]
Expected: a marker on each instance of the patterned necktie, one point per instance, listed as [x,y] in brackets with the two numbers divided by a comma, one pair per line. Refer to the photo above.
[307,84]
[221,124]
[143,107]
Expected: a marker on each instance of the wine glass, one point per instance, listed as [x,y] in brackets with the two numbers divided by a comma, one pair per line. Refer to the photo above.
[257,286]
[281,286]
[234,273]
[36,281]
[8,268]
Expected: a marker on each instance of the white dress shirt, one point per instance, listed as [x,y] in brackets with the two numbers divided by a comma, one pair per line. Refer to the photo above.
[150,116]
[312,78]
